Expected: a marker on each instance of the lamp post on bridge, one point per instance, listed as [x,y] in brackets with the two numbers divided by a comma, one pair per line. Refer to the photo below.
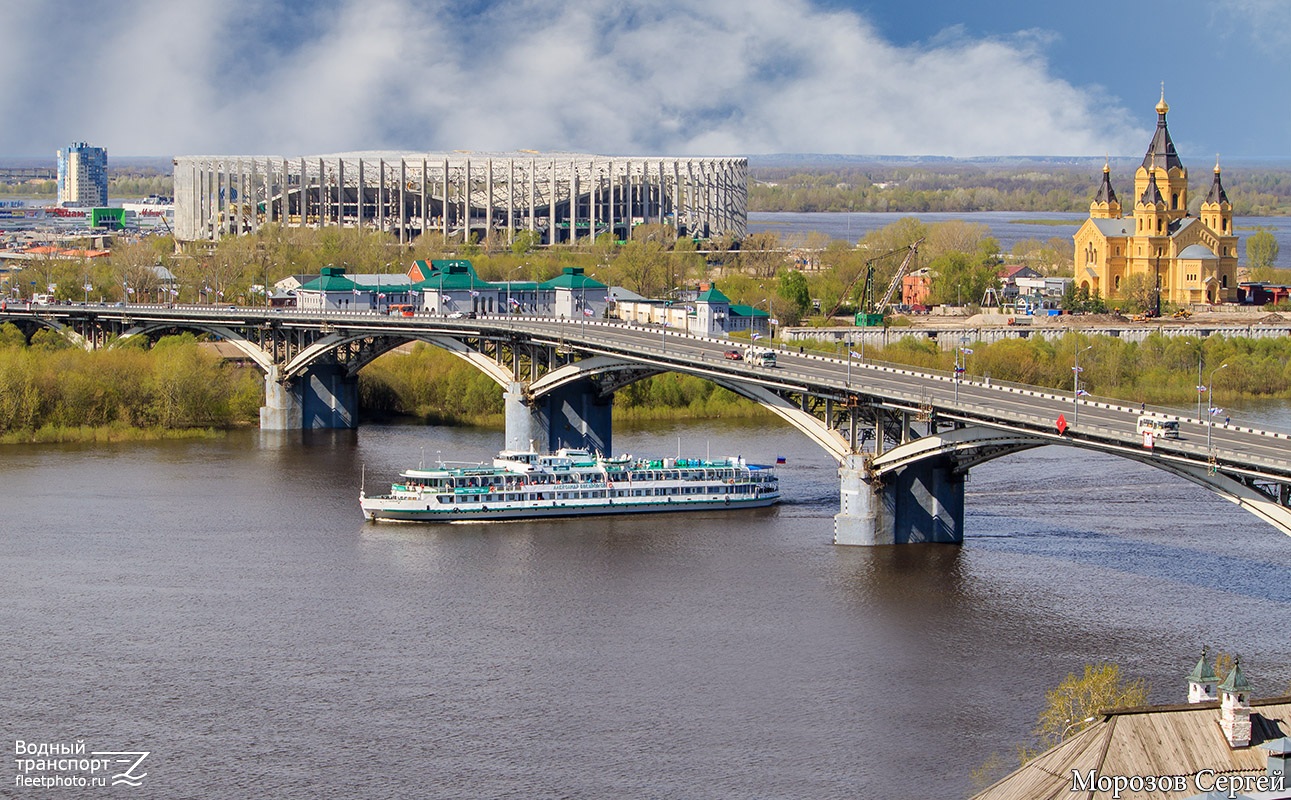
[961,363]
[511,308]
[1075,385]
[1210,403]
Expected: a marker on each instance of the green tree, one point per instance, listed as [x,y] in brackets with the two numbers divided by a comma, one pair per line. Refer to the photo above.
[526,241]
[1261,249]
[1139,293]
[958,278]
[1077,701]
[794,289]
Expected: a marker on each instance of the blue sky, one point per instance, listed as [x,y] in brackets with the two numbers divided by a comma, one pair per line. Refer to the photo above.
[183,77]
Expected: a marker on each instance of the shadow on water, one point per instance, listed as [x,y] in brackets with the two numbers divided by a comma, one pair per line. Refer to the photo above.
[1239,575]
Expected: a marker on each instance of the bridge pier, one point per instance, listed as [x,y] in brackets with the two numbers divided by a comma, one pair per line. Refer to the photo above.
[857,522]
[523,424]
[919,503]
[326,396]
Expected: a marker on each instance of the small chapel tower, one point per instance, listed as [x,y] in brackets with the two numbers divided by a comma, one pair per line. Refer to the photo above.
[1216,211]
[1202,680]
[1105,204]
[1235,707]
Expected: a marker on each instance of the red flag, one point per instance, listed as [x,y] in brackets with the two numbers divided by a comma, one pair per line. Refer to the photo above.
[1061,425]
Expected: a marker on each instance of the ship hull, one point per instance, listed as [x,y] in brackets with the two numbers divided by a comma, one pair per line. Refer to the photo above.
[385,509]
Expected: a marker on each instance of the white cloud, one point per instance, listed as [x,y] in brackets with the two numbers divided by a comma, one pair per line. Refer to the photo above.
[732,76]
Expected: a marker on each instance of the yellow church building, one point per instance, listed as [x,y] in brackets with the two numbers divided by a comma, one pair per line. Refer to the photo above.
[1190,259]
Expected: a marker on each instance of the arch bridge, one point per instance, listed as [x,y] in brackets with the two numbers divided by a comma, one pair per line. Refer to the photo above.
[904,439]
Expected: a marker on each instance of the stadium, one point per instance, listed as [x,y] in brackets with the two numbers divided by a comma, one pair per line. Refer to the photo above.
[561,197]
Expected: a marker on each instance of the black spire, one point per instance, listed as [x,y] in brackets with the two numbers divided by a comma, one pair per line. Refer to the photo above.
[1106,194]
[1217,193]
[1152,194]
[1161,148]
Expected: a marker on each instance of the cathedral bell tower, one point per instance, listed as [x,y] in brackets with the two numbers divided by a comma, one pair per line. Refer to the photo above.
[1105,204]
[1216,211]
[1161,165]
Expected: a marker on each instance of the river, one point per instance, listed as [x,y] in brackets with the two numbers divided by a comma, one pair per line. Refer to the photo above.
[222,605]
[1008,227]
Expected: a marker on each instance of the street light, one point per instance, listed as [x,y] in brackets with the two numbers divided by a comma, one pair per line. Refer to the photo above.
[1210,403]
[1075,385]
[1201,387]
[961,352]
[510,308]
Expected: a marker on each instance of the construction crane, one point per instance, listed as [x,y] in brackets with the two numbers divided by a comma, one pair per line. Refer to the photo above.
[871,313]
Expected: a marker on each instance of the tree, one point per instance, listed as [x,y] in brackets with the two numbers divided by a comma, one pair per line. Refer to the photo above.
[957,278]
[759,254]
[1077,701]
[1261,249]
[525,242]
[793,288]
[641,263]
[1139,293]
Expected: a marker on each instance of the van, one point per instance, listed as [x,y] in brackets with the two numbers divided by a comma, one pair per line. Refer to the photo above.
[1159,428]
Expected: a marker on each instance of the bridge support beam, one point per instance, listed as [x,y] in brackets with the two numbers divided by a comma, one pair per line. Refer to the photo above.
[574,415]
[326,396]
[925,502]
[922,502]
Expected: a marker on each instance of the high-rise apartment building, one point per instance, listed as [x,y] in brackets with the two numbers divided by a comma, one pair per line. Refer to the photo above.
[83,175]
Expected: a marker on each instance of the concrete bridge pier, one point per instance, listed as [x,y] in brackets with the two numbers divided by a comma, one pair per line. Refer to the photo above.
[857,522]
[523,424]
[326,396]
[281,410]
[922,502]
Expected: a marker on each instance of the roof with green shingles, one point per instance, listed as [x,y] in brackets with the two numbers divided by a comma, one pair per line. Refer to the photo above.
[1203,672]
[330,279]
[1236,681]
[712,295]
[572,278]
[449,276]
[747,311]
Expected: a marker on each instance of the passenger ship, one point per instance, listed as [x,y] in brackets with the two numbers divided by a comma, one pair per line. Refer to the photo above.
[529,485]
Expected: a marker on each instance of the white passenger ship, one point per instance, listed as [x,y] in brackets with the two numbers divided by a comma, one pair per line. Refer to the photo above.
[528,485]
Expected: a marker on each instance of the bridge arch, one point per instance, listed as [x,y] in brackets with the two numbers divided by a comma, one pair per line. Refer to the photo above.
[973,445]
[375,347]
[250,349]
[30,324]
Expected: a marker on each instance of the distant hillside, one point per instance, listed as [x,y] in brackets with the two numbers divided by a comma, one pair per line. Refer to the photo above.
[808,182]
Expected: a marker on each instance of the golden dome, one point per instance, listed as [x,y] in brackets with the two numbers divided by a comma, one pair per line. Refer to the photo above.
[1162,107]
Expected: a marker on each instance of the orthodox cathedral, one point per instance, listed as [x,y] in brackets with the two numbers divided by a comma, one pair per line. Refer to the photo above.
[1190,259]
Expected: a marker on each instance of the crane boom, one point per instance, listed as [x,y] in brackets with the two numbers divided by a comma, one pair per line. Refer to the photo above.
[896,279]
[868,275]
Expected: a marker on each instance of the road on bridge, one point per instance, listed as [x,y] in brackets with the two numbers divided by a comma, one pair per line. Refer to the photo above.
[1096,423]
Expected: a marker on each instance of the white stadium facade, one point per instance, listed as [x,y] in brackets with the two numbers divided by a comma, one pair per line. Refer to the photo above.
[560,197]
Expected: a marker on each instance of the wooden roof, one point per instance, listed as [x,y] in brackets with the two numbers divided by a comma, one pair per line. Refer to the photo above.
[1153,740]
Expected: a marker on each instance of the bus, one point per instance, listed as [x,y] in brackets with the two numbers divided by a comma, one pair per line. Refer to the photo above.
[762,358]
[1159,428]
